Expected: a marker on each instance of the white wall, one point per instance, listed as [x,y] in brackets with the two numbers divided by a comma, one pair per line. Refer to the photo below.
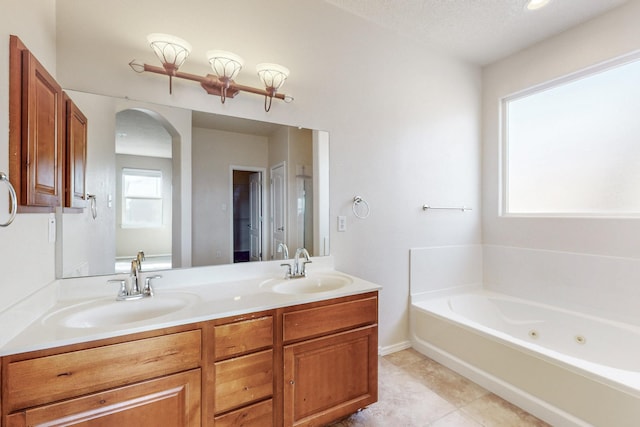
[403,121]
[555,239]
[88,244]
[26,257]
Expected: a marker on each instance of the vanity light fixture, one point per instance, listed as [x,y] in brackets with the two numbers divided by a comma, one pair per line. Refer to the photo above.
[173,51]
[273,77]
[226,65]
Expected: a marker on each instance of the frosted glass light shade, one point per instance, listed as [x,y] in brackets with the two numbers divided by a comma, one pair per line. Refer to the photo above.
[171,50]
[536,4]
[225,64]
[272,75]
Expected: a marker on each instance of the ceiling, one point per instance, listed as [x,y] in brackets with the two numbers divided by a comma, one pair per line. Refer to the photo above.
[478,31]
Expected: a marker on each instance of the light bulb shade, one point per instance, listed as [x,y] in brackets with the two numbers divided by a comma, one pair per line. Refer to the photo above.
[171,50]
[536,4]
[225,64]
[272,75]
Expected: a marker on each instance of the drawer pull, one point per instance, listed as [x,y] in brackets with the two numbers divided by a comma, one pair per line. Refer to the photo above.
[292,382]
[65,374]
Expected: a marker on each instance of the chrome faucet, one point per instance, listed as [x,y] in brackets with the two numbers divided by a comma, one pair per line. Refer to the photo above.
[140,257]
[298,269]
[134,287]
[133,291]
[282,247]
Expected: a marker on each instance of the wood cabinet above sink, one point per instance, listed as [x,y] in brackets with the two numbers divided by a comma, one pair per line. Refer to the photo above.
[47,137]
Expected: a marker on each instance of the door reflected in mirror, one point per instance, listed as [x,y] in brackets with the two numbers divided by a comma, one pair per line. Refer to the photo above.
[193,189]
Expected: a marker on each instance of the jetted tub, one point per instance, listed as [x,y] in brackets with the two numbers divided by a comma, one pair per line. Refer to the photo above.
[565,367]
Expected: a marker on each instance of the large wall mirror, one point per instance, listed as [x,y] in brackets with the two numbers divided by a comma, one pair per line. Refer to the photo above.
[192,189]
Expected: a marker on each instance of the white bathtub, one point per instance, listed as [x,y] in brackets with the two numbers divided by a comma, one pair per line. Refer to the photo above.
[565,367]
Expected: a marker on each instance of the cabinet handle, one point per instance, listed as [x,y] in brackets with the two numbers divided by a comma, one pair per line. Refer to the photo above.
[292,382]
[93,205]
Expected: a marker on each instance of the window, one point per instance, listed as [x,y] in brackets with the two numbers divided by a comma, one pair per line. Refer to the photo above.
[141,198]
[574,148]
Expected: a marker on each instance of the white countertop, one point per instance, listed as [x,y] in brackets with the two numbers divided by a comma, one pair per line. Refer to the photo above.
[218,291]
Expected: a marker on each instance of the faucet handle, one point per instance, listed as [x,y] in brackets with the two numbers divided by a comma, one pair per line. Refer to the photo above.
[287,275]
[304,267]
[148,290]
[123,287]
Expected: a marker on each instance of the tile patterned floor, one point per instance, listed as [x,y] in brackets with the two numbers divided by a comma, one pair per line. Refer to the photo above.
[415,391]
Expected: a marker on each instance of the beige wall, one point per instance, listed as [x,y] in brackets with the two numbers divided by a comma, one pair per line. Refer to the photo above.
[152,241]
[585,263]
[26,257]
[214,152]
[398,147]
[609,36]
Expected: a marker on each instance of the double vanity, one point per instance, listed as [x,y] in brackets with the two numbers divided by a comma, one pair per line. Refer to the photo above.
[215,346]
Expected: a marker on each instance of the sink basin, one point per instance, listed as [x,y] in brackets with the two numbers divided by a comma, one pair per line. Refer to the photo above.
[310,285]
[108,312]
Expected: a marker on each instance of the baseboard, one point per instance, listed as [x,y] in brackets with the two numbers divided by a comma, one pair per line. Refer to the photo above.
[383,351]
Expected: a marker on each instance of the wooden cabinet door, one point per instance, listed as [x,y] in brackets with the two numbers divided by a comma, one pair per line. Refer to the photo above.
[42,135]
[76,158]
[169,401]
[331,377]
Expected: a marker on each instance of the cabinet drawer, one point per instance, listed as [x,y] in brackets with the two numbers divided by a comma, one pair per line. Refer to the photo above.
[257,415]
[243,380]
[168,401]
[318,321]
[51,378]
[242,337]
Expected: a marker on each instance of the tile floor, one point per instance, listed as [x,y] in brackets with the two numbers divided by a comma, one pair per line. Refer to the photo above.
[415,391]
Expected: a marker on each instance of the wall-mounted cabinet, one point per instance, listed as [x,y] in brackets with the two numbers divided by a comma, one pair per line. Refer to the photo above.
[76,155]
[42,128]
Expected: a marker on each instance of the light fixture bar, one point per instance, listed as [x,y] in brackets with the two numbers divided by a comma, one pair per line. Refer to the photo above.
[208,81]
[173,51]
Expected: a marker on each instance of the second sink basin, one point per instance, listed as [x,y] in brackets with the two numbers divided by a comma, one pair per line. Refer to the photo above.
[107,312]
[310,285]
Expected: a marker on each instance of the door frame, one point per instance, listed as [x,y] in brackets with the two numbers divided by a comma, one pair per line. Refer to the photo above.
[272,206]
[263,174]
